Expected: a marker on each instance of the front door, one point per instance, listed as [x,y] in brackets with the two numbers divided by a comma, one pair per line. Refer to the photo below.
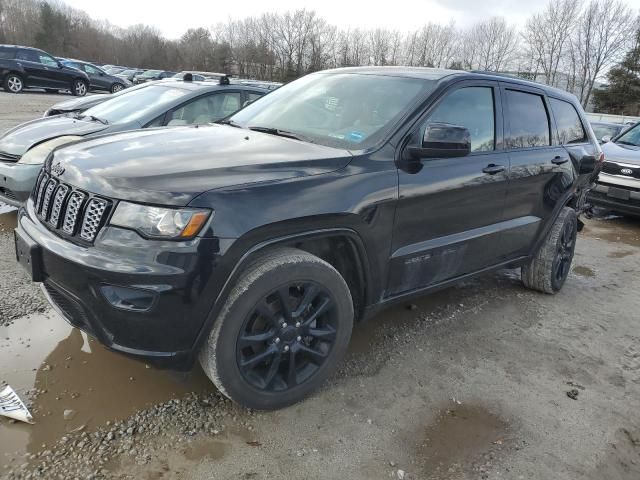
[449,216]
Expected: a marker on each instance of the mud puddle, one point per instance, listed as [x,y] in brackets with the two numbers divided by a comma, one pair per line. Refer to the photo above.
[584,271]
[623,231]
[458,438]
[59,368]
[8,218]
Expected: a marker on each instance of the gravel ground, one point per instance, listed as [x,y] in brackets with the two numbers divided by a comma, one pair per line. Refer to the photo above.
[484,380]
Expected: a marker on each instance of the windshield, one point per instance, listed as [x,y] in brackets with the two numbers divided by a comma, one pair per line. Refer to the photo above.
[352,111]
[128,72]
[630,137]
[134,105]
[605,130]
[151,73]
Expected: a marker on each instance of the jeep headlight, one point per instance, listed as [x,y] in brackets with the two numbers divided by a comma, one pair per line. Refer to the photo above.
[38,154]
[160,222]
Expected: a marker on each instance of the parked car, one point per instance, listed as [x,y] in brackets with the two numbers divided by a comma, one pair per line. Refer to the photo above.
[606,131]
[171,103]
[98,78]
[80,104]
[200,76]
[26,67]
[618,187]
[151,75]
[254,246]
[130,74]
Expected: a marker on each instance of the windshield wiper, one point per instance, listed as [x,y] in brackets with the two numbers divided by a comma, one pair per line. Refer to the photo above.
[228,121]
[280,133]
[93,118]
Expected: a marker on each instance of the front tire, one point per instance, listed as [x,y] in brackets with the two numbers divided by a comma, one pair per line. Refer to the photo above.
[13,83]
[116,87]
[79,88]
[281,332]
[549,269]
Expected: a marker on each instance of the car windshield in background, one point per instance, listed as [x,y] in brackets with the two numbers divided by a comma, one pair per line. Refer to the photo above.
[151,73]
[605,130]
[135,104]
[630,137]
[352,111]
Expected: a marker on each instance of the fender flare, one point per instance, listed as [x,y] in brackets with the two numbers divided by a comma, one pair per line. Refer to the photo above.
[563,202]
[268,243]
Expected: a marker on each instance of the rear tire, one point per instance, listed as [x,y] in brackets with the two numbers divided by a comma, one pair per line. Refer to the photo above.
[79,88]
[549,269]
[13,83]
[281,332]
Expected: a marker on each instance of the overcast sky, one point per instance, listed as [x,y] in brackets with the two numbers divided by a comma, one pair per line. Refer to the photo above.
[174,18]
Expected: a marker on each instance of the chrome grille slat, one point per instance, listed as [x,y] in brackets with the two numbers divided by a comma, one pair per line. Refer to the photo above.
[92,218]
[39,197]
[46,201]
[70,212]
[56,209]
[73,209]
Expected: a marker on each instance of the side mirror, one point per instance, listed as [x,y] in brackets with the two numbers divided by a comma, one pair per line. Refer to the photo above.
[606,139]
[60,65]
[587,164]
[443,140]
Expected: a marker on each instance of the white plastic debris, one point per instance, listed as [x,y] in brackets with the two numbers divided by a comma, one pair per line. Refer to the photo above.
[11,406]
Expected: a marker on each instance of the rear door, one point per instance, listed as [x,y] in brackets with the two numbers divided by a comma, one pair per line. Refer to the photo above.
[540,172]
[450,210]
[38,74]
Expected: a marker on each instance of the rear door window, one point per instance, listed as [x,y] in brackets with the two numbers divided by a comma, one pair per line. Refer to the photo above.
[6,53]
[570,128]
[28,55]
[527,118]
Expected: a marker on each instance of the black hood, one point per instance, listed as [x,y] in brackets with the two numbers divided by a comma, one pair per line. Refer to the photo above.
[17,141]
[171,166]
[620,153]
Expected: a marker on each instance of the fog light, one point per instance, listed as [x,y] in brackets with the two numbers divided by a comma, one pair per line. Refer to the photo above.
[124,298]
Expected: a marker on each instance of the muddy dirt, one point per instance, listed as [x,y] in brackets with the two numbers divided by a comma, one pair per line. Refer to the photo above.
[468,383]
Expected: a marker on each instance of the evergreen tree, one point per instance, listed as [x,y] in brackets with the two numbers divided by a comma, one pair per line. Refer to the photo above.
[622,94]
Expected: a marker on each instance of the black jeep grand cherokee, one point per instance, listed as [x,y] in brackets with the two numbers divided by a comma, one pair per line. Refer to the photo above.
[255,245]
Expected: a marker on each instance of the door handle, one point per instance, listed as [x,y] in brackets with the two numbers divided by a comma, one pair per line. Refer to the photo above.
[492,169]
[558,160]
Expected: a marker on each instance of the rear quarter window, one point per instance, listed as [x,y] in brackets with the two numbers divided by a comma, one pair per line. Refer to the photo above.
[570,128]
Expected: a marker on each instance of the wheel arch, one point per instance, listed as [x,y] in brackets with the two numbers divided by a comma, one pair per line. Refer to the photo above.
[319,242]
[571,200]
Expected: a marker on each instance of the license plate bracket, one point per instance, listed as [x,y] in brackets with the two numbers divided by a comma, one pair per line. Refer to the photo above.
[618,193]
[29,255]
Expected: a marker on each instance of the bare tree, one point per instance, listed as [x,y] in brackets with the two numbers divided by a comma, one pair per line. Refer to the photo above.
[489,45]
[603,34]
[547,35]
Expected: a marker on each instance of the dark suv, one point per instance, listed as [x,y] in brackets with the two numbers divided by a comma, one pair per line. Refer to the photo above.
[254,246]
[25,67]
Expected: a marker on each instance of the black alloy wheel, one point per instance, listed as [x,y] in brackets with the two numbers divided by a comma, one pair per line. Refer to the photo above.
[287,337]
